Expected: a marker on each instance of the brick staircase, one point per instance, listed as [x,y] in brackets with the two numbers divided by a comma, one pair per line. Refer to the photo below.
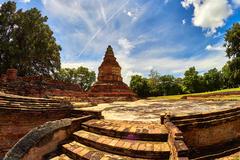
[109,139]
[10,101]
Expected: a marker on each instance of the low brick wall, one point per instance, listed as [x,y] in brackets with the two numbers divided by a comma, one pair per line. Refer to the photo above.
[215,134]
[44,139]
[206,134]
[179,150]
[15,123]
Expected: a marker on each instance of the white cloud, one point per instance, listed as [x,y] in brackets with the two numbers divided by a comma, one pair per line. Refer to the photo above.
[87,24]
[209,14]
[236,3]
[183,21]
[218,47]
[129,14]
[25,1]
[125,45]
[165,65]
[166,1]
[215,47]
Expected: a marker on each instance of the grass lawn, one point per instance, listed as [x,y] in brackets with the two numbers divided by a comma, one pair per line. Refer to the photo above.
[227,97]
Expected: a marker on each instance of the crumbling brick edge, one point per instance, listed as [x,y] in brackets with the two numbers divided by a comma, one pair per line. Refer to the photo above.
[42,135]
[178,148]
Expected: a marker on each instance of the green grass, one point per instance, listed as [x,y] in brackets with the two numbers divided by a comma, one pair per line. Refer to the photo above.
[227,97]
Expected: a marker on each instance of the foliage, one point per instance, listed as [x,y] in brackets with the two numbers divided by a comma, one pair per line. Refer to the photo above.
[153,83]
[232,39]
[192,81]
[213,80]
[81,76]
[169,85]
[164,85]
[27,42]
[139,85]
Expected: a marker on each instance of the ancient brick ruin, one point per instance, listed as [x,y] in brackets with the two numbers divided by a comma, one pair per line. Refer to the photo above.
[38,86]
[110,82]
[144,129]
[109,85]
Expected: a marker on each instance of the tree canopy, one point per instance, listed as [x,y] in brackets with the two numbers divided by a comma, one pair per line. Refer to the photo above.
[232,44]
[27,42]
[192,82]
[81,76]
[139,85]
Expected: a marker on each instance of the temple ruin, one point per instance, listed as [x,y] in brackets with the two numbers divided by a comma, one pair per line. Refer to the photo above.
[109,82]
[53,129]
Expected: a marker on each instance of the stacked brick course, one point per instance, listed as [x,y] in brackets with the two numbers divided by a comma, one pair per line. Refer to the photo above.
[38,86]
[110,82]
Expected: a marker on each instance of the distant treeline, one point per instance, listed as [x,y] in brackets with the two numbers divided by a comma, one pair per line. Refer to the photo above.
[192,82]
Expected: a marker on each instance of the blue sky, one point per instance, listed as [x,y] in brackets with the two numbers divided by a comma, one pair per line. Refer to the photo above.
[165,35]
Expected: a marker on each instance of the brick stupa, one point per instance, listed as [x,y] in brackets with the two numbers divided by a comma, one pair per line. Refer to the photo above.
[109,82]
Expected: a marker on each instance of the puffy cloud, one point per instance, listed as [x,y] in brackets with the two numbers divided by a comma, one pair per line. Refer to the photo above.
[209,14]
[166,64]
[129,14]
[125,45]
[87,27]
[236,3]
[218,47]
[183,21]
[215,48]
[25,1]
[166,1]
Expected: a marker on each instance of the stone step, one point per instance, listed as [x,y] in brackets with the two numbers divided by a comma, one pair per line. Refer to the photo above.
[126,147]
[27,99]
[128,129]
[61,157]
[76,150]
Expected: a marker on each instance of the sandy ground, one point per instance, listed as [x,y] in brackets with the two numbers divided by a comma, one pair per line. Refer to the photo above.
[150,110]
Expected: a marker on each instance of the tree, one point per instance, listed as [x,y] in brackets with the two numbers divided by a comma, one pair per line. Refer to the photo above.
[169,85]
[192,81]
[7,17]
[232,39]
[139,85]
[154,83]
[27,42]
[213,80]
[228,81]
[82,76]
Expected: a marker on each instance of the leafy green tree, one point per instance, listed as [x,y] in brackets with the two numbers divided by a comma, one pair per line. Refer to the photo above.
[27,42]
[213,80]
[228,82]
[82,76]
[139,85]
[234,67]
[169,85]
[232,44]
[7,18]
[154,83]
[192,81]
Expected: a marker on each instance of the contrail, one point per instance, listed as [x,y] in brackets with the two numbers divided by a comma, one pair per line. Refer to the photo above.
[100,29]
[102,12]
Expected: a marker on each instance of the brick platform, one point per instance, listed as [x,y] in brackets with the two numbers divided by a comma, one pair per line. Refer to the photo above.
[103,139]
[128,129]
[19,114]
